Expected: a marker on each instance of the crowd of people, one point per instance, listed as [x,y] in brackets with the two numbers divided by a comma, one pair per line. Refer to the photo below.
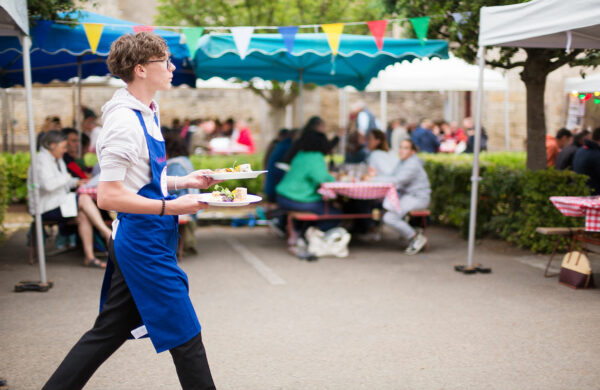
[296,164]
[214,136]
[578,151]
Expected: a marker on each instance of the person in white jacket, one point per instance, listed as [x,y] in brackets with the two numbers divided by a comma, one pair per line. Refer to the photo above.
[57,203]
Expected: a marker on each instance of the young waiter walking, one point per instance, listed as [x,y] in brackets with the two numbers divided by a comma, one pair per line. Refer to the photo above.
[144,292]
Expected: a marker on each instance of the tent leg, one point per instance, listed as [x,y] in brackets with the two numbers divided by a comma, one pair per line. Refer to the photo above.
[301,102]
[79,74]
[5,115]
[506,126]
[383,109]
[43,285]
[475,175]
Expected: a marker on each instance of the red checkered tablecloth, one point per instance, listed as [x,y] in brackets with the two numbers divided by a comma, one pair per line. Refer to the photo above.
[91,191]
[361,190]
[580,206]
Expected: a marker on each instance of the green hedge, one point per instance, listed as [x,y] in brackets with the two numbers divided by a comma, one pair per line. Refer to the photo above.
[512,201]
[4,193]
[254,186]
[15,176]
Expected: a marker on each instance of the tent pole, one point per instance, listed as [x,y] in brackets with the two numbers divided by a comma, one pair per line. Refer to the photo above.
[79,73]
[26,44]
[506,126]
[301,102]
[383,109]
[4,120]
[475,175]
[11,126]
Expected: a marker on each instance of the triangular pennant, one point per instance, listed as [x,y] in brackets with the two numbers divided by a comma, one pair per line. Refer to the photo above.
[377,28]
[458,19]
[40,32]
[241,37]
[420,25]
[137,29]
[93,32]
[191,38]
[289,35]
[333,32]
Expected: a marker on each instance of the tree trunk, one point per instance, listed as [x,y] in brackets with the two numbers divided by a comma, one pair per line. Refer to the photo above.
[534,76]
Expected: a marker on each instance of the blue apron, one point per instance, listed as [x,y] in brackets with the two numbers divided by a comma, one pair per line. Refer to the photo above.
[145,246]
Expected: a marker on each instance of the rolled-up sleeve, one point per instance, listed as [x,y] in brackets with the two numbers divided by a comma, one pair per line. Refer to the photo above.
[120,145]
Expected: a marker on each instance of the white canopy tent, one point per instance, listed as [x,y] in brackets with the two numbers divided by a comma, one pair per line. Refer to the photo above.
[588,84]
[451,75]
[14,22]
[558,24]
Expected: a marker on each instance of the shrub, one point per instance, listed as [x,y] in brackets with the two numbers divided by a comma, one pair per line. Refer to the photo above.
[15,169]
[512,202]
[254,186]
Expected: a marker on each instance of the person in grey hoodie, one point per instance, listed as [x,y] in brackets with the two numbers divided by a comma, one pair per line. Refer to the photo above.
[145,293]
[414,192]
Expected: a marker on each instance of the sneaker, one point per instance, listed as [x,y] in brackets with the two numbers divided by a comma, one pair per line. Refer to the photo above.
[60,242]
[416,244]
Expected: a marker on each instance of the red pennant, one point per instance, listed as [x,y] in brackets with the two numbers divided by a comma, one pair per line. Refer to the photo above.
[137,29]
[377,28]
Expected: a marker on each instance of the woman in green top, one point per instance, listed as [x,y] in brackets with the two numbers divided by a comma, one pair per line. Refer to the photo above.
[297,191]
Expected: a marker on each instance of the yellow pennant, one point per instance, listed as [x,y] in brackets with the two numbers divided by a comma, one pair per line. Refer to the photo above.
[333,32]
[93,31]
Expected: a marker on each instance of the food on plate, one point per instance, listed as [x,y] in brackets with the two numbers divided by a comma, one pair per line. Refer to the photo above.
[243,168]
[235,168]
[221,194]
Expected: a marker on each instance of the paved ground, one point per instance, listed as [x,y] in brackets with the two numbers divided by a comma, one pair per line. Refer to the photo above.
[376,320]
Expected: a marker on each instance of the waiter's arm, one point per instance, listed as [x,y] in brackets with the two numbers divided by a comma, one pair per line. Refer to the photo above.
[112,195]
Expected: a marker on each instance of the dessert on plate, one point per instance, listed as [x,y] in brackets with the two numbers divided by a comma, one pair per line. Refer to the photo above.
[236,168]
[220,194]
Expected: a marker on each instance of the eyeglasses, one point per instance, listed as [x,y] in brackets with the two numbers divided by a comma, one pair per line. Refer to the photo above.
[168,60]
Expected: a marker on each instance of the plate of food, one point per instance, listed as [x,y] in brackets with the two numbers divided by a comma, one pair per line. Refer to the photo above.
[242,171]
[224,197]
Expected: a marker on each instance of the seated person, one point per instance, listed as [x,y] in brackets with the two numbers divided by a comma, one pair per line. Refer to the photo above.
[73,161]
[380,159]
[297,191]
[317,125]
[356,151]
[414,193]
[56,203]
[587,161]
[274,174]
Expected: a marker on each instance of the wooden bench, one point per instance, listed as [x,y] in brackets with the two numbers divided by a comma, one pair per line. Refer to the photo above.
[559,232]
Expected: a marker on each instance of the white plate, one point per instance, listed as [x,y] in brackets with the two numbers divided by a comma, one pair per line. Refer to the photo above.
[207,198]
[235,175]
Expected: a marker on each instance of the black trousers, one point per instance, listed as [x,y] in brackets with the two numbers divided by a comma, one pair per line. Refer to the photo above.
[111,329]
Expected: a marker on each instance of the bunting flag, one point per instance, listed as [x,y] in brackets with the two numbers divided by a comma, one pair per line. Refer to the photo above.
[459,19]
[333,32]
[289,35]
[420,25]
[93,32]
[137,29]
[241,37]
[377,28]
[191,38]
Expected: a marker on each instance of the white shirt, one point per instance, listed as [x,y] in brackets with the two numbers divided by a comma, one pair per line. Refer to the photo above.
[122,148]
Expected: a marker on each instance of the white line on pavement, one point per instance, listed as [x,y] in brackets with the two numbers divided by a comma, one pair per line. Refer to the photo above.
[255,262]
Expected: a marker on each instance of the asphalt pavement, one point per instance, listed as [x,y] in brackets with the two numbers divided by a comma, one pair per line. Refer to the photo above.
[376,320]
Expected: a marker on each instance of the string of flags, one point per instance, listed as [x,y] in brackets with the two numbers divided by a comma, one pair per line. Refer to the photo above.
[584,97]
[243,34]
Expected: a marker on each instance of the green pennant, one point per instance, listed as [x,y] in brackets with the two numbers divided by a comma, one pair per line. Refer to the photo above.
[191,38]
[420,25]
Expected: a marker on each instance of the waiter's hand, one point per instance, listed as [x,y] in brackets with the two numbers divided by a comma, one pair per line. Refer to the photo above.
[198,179]
[185,204]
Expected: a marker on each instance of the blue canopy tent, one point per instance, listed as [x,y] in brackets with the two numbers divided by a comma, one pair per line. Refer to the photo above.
[311,60]
[61,51]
